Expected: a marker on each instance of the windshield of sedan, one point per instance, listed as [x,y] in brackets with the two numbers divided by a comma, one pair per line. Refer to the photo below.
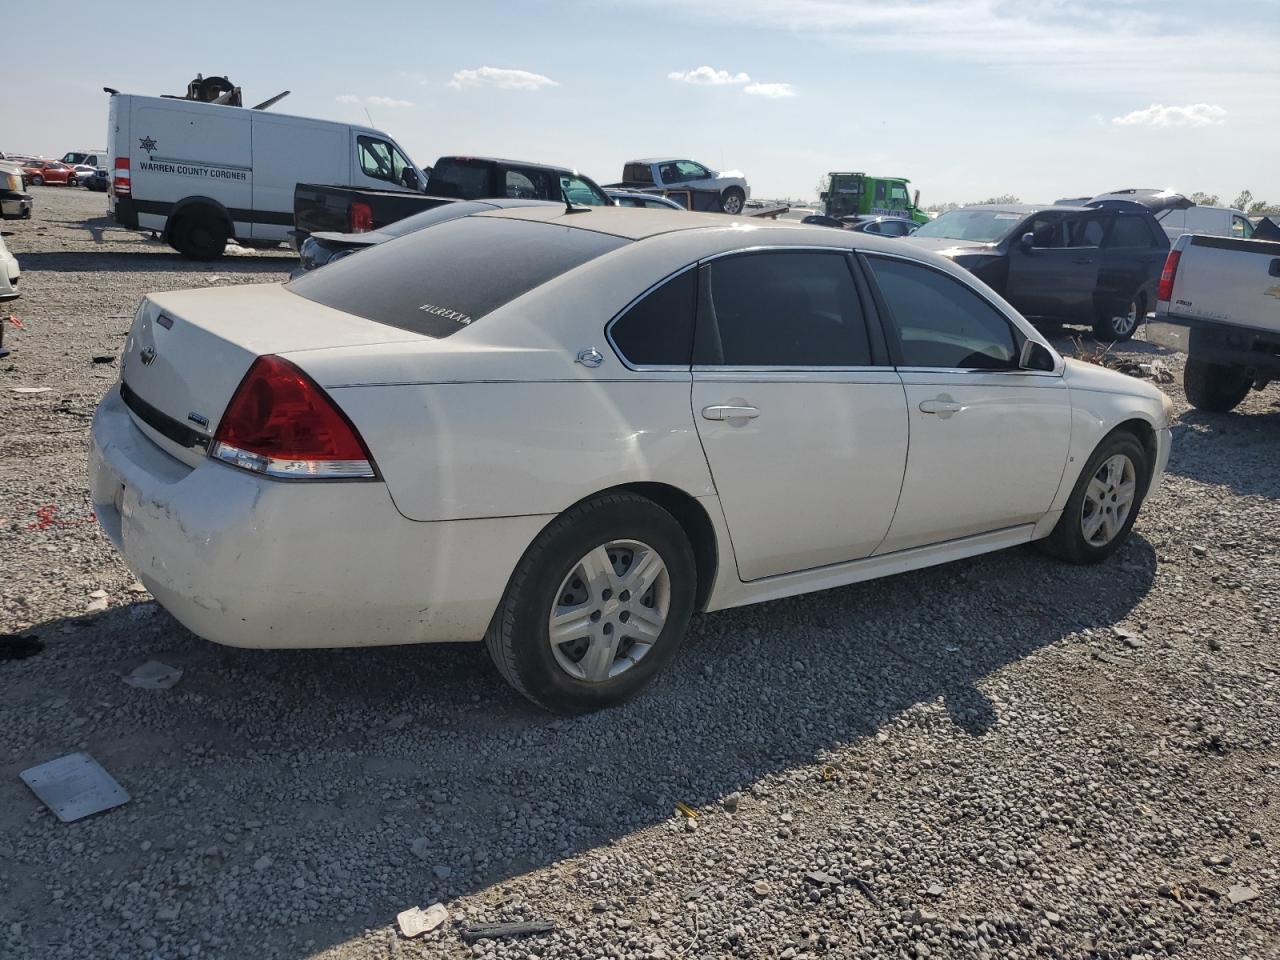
[980,226]
[442,279]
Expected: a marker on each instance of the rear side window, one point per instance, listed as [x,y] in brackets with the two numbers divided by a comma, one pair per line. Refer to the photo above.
[940,322]
[781,309]
[657,331]
[440,280]
[1130,232]
[637,173]
[465,181]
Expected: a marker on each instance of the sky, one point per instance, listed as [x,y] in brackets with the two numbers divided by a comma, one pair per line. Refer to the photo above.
[1041,99]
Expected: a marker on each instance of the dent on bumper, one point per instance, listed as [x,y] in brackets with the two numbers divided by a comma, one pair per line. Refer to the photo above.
[251,562]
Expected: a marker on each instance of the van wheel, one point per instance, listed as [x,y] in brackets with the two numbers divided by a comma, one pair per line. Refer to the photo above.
[1111,325]
[598,604]
[199,236]
[732,200]
[1215,387]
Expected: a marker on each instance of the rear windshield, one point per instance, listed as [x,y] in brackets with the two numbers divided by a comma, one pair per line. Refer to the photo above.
[983,226]
[461,180]
[439,281]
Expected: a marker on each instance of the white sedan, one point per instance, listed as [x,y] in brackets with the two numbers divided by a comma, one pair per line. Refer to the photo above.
[568,431]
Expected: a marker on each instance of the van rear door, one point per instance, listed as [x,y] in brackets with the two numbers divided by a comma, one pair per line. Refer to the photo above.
[180,149]
[288,151]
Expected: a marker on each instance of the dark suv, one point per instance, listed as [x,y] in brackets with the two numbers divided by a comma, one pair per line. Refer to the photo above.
[1097,264]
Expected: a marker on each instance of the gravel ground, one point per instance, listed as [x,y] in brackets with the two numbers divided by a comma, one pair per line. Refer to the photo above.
[1003,757]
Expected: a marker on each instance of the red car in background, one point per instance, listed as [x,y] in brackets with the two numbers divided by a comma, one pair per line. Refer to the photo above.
[38,172]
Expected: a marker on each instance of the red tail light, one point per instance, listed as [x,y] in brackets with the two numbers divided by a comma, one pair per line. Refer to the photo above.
[282,424]
[122,182]
[361,215]
[1168,274]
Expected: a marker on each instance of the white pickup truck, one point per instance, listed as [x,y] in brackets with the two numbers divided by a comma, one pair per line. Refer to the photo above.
[1219,302]
[693,185]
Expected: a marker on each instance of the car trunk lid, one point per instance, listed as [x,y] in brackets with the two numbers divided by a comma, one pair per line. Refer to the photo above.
[188,351]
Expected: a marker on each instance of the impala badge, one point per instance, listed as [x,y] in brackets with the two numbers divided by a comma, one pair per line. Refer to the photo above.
[590,357]
[198,419]
[147,356]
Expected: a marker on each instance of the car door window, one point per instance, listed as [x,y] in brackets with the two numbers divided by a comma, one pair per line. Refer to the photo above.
[380,160]
[1047,233]
[1086,231]
[1241,227]
[520,186]
[1130,231]
[657,330]
[577,191]
[940,322]
[781,309]
[688,170]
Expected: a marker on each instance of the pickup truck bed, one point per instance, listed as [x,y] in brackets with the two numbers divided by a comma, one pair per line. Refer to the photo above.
[318,208]
[1219,303]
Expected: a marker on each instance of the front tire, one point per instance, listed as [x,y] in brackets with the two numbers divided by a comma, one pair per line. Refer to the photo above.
[1111,326]
[1104,505]
[598,604]
[37,181]
[733,200]
[1215,387]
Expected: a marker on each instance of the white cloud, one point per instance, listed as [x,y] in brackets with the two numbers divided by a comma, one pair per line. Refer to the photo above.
[373,101]
[709,76]
[1158,115]
[502,78]
[773,91]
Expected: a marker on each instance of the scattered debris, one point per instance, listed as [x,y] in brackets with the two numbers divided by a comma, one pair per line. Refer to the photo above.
[761,888]
[16,323]
[1238,895]
[19,646]
[74,786]
[823,879]
[494,931]
[98,605]
[935,890]
[154,675]
[415,921]
[688,811]
[105,358]
[730,802]
[31,389]
[866,890]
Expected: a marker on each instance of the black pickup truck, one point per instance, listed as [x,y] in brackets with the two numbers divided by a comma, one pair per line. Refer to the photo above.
[318,208]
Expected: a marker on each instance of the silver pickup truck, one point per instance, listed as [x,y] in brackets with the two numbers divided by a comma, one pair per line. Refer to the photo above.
[1219,302]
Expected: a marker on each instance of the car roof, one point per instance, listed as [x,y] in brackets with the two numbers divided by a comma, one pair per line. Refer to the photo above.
[558,168]
[662,160]
[634,223]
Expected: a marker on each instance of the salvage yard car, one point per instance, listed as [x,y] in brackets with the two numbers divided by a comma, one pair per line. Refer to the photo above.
[705,189]
[15,202]
[1096,265]
[568,431]
[1219,302]
[40,172]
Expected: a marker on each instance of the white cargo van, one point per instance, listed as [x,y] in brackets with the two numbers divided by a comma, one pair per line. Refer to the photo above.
[1206,221]
[202,173]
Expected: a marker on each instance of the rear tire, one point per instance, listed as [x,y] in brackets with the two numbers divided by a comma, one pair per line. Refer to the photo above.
[548,584]
[1110,326]
[199,235]
[1092,526]
[733,200]
[37,181]
[1215,387]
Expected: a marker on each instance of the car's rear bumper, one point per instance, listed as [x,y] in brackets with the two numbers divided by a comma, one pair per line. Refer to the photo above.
[15,206]
[1218,342]
[247,561]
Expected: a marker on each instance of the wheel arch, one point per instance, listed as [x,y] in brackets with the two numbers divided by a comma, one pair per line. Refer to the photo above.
[1145,434]
[695,522]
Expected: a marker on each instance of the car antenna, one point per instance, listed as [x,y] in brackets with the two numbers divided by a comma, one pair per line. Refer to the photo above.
[568,204]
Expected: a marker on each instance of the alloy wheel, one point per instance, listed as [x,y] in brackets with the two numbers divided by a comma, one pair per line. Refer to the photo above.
[609,610]
[1108,500]
[1125,324]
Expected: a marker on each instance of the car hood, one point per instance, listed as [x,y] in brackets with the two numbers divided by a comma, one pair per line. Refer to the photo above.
[947,247]
[1081,375]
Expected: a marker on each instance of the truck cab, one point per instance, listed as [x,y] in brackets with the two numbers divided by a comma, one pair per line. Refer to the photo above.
[856,194]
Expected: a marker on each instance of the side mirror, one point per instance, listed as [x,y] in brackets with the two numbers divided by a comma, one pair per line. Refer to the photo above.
[1036,356]
[823,196]
[1027,241]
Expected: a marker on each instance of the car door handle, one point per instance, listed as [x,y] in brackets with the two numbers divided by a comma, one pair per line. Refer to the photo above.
[1083,260]
[942,406]
[724,412]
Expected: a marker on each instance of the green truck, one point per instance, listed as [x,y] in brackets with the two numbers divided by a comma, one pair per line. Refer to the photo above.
[856,194]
